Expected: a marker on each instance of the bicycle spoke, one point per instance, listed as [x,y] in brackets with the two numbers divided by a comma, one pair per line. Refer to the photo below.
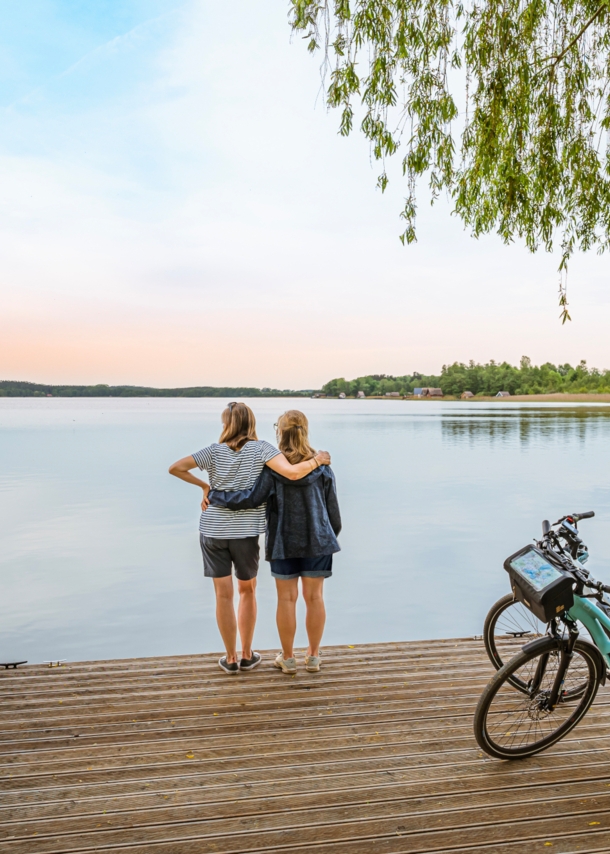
[518,722]
[518,620]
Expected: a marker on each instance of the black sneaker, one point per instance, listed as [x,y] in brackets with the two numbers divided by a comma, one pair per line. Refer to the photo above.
[250,663]
[228,667]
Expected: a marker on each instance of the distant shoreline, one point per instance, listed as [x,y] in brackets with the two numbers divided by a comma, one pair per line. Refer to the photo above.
[554,397]
[10,389]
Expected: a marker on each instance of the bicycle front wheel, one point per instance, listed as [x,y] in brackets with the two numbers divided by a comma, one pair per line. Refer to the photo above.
[510,724]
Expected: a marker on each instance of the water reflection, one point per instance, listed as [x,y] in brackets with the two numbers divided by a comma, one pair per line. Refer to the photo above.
[525,425]
[100,555]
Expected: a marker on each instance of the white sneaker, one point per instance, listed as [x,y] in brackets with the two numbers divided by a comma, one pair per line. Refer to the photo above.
[312,663]
[286,665]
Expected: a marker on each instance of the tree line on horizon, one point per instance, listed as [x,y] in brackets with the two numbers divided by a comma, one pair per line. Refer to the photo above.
[454,379]
[10,388]
[484,380]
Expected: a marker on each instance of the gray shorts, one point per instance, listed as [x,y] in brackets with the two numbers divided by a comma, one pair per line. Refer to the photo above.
[219,555]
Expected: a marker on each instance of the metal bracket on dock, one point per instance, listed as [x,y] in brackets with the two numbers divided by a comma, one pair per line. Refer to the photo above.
[57,662]
[11,665]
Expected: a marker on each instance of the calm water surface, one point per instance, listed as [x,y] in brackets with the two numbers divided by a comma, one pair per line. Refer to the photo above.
[100,555]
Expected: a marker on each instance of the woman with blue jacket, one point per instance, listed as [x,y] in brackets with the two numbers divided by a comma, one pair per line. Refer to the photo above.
[303,522]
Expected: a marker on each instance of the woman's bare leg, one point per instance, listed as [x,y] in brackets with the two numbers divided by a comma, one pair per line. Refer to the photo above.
[246,615]
[287,595]
[313,593]
[225,615]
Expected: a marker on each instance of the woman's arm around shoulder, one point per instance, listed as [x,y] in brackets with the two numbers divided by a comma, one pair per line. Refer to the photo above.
[245,499]
[281,465]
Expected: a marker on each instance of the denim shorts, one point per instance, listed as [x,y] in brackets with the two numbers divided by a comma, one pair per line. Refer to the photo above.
[302,567]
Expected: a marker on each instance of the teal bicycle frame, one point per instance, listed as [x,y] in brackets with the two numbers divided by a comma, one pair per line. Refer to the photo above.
[592,618]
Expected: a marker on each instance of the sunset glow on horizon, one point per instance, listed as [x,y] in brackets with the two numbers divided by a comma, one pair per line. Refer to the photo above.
[178,209]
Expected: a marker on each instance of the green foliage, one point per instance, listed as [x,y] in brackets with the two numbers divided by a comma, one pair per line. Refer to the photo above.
[530,157]
[491,378]
[9,388]
[378,384]
[485,380]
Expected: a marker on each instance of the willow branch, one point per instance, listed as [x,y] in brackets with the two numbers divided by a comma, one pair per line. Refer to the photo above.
[557,58]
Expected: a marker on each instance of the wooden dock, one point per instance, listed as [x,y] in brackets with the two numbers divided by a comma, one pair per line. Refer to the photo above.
[373,755]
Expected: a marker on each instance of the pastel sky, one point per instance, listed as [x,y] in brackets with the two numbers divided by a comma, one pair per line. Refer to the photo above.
[177,208]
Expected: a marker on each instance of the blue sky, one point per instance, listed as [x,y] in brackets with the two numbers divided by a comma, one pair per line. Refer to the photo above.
[178,208]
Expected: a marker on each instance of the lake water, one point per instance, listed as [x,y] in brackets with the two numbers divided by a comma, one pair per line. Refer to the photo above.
[99,549]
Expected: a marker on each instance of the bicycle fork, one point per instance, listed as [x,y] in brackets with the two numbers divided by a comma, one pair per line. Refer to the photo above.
[567,650]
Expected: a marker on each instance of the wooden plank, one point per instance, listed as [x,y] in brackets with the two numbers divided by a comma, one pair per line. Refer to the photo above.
[174,807]
[249,727]
[425,831]
[277,811]
[134,712]
[471,772]
[219,751]
[345,656]
[594,841]
[374,754]
[251,684]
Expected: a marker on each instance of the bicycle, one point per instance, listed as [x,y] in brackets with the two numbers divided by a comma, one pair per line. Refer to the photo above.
[540,694]
[509,621]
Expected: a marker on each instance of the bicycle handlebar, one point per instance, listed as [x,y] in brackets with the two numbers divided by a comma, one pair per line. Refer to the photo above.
[575,517]
[597,585]
[565,528]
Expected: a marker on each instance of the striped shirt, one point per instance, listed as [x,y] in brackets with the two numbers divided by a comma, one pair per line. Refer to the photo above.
[234,470]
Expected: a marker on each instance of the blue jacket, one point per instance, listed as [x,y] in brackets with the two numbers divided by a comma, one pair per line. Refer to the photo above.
[303,518]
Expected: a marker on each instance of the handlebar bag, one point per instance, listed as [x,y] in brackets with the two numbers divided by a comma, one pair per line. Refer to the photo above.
[542,587]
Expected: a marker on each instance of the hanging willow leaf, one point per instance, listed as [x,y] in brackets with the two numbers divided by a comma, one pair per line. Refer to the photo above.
[528,157]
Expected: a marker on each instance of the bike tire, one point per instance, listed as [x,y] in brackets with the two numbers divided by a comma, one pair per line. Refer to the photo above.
[508,625]
[511,725]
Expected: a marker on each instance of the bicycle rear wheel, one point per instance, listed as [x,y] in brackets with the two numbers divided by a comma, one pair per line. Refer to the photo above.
[509,625]
[509,724]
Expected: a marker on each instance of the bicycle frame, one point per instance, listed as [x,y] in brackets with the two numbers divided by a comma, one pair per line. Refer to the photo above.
[593,619]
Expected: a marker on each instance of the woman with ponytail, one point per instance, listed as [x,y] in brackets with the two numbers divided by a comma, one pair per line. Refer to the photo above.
[229,537]
[303,522]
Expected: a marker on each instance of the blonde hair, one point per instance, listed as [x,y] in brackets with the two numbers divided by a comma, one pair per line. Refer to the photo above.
[293,437]
[238,426]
